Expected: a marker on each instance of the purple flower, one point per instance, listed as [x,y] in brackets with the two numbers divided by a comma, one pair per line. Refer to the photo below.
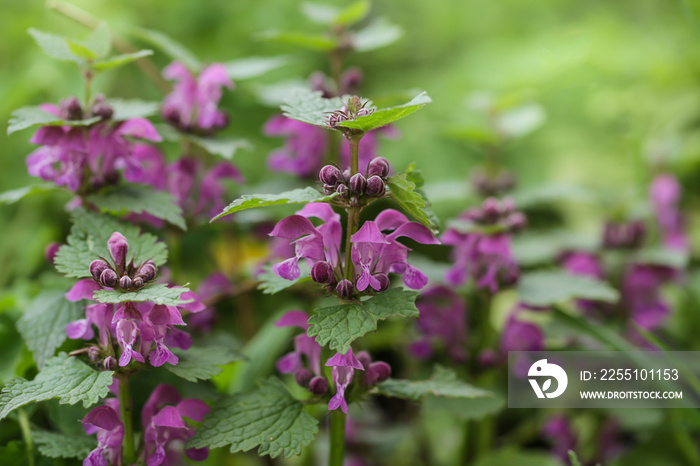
[99,315]
[345,360]
[443,318]
[584,264]
[105,422]
[519,335]
[560,434]
[192,106]
[342,377]
[304,346]
[641,294]
[665,192]
[126,331]
[159,322]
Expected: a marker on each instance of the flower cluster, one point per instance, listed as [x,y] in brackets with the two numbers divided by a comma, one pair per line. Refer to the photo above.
[443,319]
[357,189]
[624,234]
[493,184]
[192,106]
[141,329]
[355,108]
[86,158]
[164,427]
[305,364]
[375,250]
[482,249]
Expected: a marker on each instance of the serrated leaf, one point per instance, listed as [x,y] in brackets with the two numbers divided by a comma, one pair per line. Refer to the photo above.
[338,326]
[251,67]
[443,383]
[88,241]
[170,47]
[134,108]
[317,42]
[271,283]
[403,190]
[119,60]
[55,46]
[157,293]
[43,324]
[330,15]
[139,199]
[267,418]
[202,363]
[378,34]
[26,117]
[385,116]
[296,196]
[59,445]
[545,288]
[66,378]
[15,195]
[310,107]
[226,147]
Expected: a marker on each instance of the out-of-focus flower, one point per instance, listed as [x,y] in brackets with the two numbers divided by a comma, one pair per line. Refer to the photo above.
[105,422]
[561,435]
[443,319]
[641,294]
[665,193]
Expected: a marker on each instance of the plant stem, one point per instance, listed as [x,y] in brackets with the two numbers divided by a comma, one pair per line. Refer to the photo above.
[337,434]
[353,212]
[125,411]
[26,435]
[87,74]
[354,153]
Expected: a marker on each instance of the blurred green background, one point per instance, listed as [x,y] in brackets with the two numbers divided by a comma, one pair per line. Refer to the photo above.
[614,79]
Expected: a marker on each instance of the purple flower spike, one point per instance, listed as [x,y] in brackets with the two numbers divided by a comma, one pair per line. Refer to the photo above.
[342,377]
[118,248]
[345,360]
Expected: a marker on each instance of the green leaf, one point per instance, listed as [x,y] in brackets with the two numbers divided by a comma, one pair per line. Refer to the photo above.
[465,409]
[573,459]
[403,190]
[444,383]
[271,283]
[139,199]
[15,195]
[127,109]
[251,67]
[59,445]
[673,258]
[169,46]
[521,120]
[66,378]
[317,42]
[202,363]
[545,288]
[27,117]
[338,326]
[99,40]
[512,457]
[385,116]
[333,16]
[296,196]
[88,241]
[43,324]
[119,60]
[310,107]
[55,46]
[226,147]
[378,34]
[157,293]
[267,418]
[80,50]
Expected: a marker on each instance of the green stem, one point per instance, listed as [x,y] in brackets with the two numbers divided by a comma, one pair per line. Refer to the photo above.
[353,212]
[126,415]
[87,74]
[337,451]
[26,435]
[354,153]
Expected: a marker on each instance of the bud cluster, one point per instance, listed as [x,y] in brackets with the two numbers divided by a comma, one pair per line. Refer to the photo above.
[72,109]
[497,213]
[493,184]
[353,109]
[624,235]
[358,187]
[121,274]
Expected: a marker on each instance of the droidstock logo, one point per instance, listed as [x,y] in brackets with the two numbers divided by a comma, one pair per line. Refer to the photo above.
[541,369]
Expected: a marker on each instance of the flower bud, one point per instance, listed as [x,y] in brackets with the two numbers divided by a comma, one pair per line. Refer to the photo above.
[318,385]
[51,250]
[330,175]
[102,110]
[375,186]
[488,358]
[490,210]
[378,372]
[379,167]
[517,221]
[344,288]
[172,116]
[97,267]
[108,278]
[328,189]
[303,377]
[118,247]
[138,282]
[383,281]
[358,183]
[125,282]
[147,271]
[70,109]
[364,358]
[354,201]
[342,190]
[110,363]
[94,353]
[322,272]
